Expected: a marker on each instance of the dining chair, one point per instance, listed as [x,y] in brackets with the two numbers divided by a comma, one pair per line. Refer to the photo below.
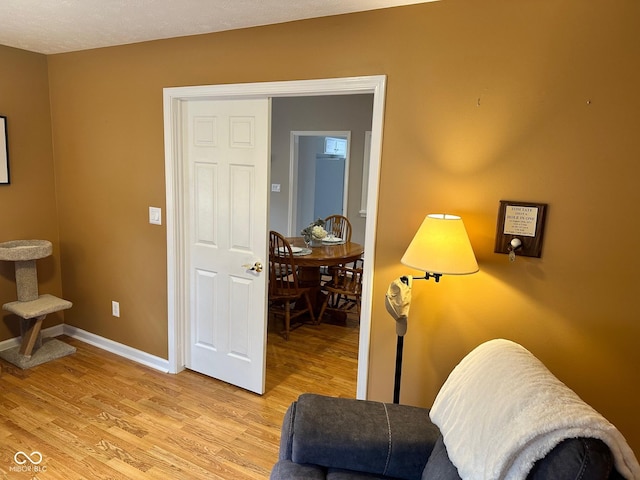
[344,291]
[285,291]
[339,225]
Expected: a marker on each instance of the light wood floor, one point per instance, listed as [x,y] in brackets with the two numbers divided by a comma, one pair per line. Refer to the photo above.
[94,415]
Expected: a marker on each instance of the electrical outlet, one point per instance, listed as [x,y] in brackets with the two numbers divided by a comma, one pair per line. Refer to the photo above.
[115,309]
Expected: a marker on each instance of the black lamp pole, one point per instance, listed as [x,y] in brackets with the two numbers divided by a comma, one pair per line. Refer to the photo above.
[396,386]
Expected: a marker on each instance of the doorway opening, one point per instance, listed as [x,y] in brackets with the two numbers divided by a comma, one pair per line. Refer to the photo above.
[177,254]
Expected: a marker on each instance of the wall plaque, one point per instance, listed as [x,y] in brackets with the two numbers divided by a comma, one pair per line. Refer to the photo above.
[524,221]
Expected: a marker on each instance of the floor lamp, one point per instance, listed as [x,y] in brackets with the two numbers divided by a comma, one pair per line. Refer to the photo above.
[440,247]
[398,301]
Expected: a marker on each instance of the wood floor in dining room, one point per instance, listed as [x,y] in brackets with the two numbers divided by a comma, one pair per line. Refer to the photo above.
[95,415]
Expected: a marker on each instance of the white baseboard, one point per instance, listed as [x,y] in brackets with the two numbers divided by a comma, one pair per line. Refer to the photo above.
[54,331]
[125,351]
[118,348]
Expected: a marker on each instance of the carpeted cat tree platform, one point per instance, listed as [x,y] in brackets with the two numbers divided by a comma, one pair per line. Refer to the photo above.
[31,307]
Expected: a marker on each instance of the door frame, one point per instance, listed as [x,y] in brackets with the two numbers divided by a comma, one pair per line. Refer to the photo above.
[293,173]
[173,99]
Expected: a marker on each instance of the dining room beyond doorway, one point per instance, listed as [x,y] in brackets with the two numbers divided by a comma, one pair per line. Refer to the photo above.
[331,131]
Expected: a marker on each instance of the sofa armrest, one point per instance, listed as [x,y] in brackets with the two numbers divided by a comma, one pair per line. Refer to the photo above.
[378,438]
[286,433]
[581,457]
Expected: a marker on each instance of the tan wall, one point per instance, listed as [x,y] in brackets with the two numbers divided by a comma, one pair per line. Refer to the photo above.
[486,100]
[27,205]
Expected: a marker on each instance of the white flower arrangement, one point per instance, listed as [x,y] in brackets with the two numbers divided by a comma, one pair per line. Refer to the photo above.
[314,230]
[318,232]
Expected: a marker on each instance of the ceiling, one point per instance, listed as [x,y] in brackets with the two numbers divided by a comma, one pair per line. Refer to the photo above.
[58,26]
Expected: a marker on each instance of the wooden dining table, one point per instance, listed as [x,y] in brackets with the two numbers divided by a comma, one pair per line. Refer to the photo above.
[327,254]
[324,255]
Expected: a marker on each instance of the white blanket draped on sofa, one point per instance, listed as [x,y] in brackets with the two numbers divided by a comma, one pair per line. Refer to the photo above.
[501,409]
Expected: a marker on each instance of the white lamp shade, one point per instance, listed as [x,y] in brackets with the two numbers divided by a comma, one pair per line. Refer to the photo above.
[441,245]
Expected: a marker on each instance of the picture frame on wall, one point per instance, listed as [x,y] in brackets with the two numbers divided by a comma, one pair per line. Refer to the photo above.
[4,152]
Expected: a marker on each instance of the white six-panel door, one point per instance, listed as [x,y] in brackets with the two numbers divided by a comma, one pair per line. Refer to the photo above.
[227,152]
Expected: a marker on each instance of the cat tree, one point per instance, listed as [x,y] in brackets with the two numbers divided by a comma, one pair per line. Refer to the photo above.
[31,307]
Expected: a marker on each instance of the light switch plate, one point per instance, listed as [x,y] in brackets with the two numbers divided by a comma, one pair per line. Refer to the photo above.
[115,308]
[155,215]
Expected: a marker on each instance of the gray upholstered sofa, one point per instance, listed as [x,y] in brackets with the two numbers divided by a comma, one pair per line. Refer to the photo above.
[345,439]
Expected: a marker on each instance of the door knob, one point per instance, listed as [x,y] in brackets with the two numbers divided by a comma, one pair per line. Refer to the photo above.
[256,267]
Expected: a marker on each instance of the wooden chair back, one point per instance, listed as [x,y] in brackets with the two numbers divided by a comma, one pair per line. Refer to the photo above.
[284,288]
[339,225]
[283,275]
